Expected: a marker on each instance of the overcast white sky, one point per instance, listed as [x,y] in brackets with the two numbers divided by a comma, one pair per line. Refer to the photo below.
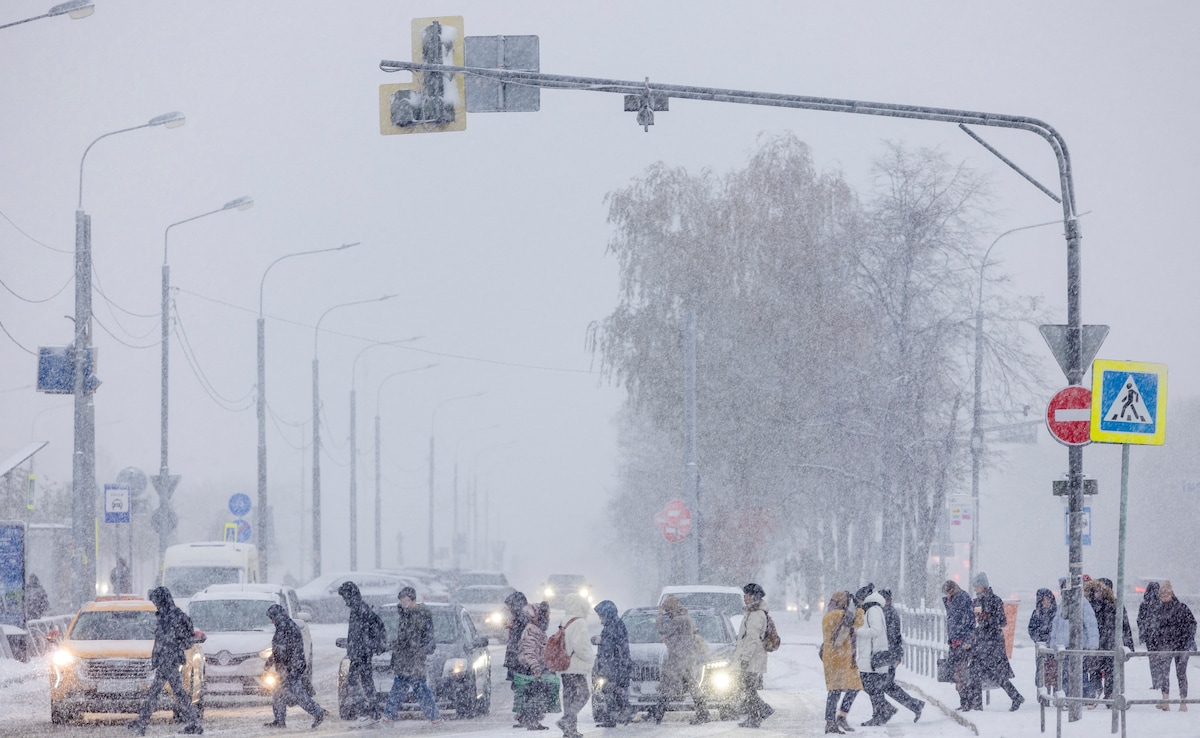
[494,238]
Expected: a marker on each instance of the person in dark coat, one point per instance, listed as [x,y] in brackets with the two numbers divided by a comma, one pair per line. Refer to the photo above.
[1145,625]
[173,636]
[287,659]
[614,665]
[896,647]
[1041,623]
[989,659]
[36,600]
[414,641]
[365,637]
[121,577]
[517,621]
[1104,605]
[1175,630]
[960,635]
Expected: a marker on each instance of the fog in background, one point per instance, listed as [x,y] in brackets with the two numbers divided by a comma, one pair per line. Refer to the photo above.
[493,240]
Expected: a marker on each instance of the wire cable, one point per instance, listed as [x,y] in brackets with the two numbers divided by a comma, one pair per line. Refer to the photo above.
[121,341]
[184,343]
[14,340]
[13,292]
[31,238]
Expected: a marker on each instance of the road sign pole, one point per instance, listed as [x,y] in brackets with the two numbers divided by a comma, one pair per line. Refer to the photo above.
[1119,619]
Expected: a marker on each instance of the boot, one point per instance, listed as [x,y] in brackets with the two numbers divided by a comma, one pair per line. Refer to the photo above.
[831,726]
[843,723]
[1164,706]
[702,717]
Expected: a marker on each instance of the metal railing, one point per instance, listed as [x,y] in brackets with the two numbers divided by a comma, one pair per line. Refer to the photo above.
[36,641]
[924,633]
[1053,661]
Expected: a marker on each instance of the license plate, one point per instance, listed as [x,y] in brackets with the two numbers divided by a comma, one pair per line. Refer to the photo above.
[118,686]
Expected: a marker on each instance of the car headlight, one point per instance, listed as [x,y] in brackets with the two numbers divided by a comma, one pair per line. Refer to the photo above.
[548,592]
[583,592]
[495,618]
[717,677]
[64,658]
[454,667]
[270,680]
[265,653]
[599,682]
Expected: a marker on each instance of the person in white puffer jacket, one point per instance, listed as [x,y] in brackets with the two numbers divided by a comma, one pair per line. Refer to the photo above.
[575,679]
[872,639]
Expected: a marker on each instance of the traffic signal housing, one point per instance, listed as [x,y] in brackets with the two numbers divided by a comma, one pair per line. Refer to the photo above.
[433,101]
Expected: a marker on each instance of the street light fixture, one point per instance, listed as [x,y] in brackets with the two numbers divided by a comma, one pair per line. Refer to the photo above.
[378,487]
[264,521]
[75,8]
[316,451]
[164,517]
[354,446]
[977,429]
[83,471]
[432,425]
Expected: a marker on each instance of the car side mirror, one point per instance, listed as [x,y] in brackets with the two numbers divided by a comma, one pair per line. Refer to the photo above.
[340,643]
[480,642]
[54,636]
[199,636]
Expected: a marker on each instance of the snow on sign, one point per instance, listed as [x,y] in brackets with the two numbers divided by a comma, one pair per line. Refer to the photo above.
[1129,402]
[1069,416]
[674,520]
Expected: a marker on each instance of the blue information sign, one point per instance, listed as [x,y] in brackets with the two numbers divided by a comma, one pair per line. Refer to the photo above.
[239,504]
[12,573]
[243,531]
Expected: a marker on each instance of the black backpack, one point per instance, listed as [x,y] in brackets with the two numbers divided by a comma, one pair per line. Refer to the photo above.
[376,634]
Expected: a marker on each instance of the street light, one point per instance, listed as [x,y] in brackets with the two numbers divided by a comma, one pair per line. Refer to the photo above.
[432,425]
[454,536]
[977,413]
[354,447]
[83,467]
[316,452]
[75,8]
[378,489]
[264,524]
[164,517]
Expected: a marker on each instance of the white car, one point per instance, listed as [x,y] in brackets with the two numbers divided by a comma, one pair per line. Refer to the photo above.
[726,600]
[320,596]
[234,617]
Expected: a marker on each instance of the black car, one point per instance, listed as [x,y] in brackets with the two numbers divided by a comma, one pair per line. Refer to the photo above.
[459,671]
[717,673]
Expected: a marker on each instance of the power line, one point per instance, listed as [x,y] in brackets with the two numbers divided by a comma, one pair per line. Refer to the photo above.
[31,238]
[122,341]
[14,340]
[190,354]
[30,299]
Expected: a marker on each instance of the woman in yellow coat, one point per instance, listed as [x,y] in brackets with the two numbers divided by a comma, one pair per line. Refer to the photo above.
[837,653]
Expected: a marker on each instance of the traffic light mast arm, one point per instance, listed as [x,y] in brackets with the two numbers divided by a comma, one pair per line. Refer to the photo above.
[772,99]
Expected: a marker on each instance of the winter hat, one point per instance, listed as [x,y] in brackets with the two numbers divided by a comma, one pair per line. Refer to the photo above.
[981,581]
[408,592]
[754,590]
[274,612]
[863,592]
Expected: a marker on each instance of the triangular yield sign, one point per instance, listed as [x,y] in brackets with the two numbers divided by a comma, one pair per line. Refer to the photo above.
[1056,339]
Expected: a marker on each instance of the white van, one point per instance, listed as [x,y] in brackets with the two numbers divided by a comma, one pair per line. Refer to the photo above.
[190,567]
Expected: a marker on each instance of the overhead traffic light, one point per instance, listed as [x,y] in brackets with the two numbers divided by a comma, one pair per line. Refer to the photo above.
[433,101]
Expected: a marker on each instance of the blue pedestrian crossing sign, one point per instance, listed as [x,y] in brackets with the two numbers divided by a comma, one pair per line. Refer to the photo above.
[1129,402]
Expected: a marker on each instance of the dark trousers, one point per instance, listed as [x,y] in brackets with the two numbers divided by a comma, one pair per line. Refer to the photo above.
[182,698]
[1160,672]
[294,690]
[874,685]
[756,709]
[360,674]
[966,680]
[896,692]
[574,696]
[616,699]
[831,702]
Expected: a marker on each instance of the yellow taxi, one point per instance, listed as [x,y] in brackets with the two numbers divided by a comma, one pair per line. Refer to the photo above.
[102,662]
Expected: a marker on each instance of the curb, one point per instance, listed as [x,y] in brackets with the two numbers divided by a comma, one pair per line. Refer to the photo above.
[949,712]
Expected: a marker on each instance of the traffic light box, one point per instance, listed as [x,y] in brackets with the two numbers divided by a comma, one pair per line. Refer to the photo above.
[433,101]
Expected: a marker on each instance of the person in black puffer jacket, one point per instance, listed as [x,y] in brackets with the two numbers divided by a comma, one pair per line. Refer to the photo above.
[287,659]
[614,665]
[365,637]
[173,636]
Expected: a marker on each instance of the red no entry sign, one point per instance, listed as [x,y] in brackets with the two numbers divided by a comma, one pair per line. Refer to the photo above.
[674,520]
[1069,416]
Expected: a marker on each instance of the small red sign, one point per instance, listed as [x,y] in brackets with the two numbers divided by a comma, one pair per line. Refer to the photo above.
[674,520]
[1069,416]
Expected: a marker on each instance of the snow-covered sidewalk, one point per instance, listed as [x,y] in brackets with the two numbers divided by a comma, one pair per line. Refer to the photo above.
[797,668]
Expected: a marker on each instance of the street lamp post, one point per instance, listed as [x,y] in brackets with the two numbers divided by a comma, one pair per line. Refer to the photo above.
[164,517]
[354,446]
[432,426]
[83,472]
[75,8]
[454,536]
[977,429]
[264,524]
[378,477]
[316,420]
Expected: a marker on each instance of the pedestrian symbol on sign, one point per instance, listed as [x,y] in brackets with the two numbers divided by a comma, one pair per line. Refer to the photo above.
[1133,410]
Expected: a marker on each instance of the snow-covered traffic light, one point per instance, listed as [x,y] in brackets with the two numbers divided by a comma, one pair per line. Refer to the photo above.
[433,101]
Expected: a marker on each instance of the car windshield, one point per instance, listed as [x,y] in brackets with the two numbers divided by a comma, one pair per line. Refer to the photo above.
[725,603]
[185,581]
[445,624]
[565,582]
[223,615]
[482,595]
[643,627]
[114,625]
[469,578]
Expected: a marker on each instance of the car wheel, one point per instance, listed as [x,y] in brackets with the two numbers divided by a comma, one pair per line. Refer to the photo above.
[484,706]
[464,699]
[60,715]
